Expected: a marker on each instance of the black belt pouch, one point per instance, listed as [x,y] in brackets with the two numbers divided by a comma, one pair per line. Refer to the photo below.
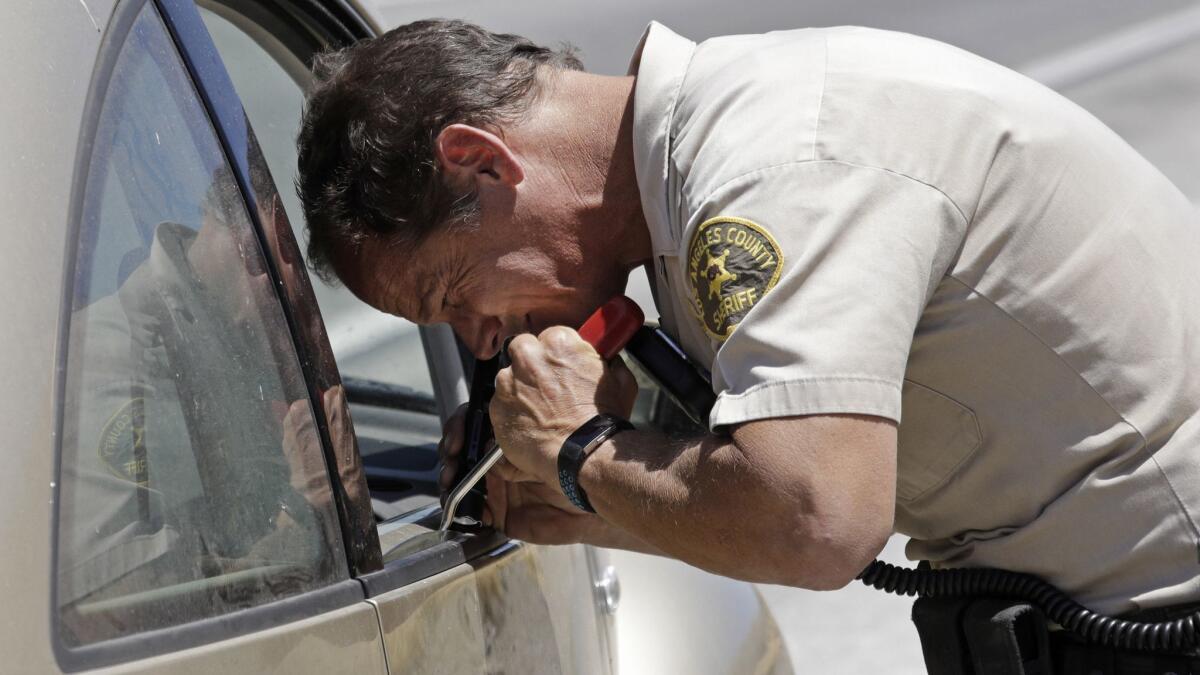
[982,636]
[939,625]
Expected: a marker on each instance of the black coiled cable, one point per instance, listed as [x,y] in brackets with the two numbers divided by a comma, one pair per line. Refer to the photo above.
[1177,635]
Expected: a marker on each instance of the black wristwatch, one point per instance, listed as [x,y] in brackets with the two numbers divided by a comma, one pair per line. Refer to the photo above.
[577,447]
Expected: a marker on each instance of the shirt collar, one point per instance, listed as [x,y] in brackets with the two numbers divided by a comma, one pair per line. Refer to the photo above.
[659,62]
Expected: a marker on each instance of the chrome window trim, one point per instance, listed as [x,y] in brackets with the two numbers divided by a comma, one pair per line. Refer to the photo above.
[447,550]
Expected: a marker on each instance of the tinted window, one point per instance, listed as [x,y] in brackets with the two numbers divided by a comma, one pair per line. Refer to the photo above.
[193,482]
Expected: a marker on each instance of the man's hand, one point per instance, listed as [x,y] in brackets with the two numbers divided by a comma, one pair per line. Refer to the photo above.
[450,450]
[522,507]
[556,382]
[537,513]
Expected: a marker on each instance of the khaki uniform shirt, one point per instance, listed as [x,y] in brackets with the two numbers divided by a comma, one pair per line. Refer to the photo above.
[855,221]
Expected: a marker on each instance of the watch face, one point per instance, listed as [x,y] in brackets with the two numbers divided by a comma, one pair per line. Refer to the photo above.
[587,433]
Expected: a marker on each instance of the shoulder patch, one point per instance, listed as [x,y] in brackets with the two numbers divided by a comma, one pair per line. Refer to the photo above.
[732,264]
[123,442]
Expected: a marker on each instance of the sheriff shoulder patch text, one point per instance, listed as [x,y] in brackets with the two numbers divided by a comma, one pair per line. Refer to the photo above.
[732,264]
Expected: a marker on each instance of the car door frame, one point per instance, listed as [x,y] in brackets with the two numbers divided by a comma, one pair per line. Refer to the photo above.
[369,563]
[334,24]
[432,559]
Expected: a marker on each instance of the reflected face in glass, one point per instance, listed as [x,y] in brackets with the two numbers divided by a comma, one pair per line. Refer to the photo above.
[233,277]
[277,228]
[227,258]
[226,265]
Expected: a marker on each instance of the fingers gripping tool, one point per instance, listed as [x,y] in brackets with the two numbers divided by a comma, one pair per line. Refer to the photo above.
[607,330]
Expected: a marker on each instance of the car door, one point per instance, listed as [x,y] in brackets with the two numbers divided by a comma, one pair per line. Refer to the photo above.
[202,520]
[465,602]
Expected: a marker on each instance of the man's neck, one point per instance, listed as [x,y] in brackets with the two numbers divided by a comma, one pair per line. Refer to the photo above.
[597,115]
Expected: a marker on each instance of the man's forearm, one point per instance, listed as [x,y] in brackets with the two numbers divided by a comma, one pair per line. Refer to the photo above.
[609,535]
[703,502]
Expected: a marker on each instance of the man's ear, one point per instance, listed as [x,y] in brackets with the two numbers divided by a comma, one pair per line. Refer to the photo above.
[471,157]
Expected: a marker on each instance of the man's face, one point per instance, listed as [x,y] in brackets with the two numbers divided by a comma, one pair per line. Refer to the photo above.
[541,252]
[489,283]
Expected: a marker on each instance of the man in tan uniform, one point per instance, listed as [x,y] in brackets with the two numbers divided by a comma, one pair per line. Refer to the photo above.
[933,294]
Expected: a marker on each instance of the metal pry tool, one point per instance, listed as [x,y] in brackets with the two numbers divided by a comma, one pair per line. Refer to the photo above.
[465,486]
[467,499]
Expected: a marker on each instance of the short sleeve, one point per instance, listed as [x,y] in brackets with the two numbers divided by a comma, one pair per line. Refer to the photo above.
[810,279]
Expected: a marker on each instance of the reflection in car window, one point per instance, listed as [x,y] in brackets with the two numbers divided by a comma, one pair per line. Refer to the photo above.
[193,482]
[269,80]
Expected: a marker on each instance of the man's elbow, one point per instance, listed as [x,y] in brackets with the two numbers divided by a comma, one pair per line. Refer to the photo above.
[827,494]
[827,554]
[836,558]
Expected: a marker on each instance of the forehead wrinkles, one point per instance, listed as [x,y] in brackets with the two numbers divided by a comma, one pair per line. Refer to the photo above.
[382,279]
[414,277]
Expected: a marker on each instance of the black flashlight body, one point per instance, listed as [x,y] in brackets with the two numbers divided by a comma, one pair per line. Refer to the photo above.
[665,362]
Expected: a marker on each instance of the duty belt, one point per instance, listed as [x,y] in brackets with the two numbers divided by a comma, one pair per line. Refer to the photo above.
[1000,636]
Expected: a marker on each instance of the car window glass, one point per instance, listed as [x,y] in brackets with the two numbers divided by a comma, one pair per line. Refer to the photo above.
[269,79]
[381,359]
[193,479]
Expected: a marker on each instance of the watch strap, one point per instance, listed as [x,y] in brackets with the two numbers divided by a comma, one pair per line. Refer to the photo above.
[576,449]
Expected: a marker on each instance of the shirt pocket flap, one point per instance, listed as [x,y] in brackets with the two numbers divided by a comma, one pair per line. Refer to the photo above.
[936,436]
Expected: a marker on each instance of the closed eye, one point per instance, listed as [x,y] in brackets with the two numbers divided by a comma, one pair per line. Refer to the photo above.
[450,292]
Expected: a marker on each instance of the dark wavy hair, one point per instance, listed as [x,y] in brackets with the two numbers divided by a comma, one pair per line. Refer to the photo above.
[366,145]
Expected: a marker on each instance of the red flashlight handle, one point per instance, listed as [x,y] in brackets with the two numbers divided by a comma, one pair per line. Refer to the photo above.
[612,326]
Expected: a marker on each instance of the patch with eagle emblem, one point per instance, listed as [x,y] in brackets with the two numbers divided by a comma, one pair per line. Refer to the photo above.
[732,264]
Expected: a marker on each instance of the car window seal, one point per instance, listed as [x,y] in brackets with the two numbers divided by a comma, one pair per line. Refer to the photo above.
[379,394]
[432,554]
[335,596]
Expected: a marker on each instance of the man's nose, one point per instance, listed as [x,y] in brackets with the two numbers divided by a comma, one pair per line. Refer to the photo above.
[481,336]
